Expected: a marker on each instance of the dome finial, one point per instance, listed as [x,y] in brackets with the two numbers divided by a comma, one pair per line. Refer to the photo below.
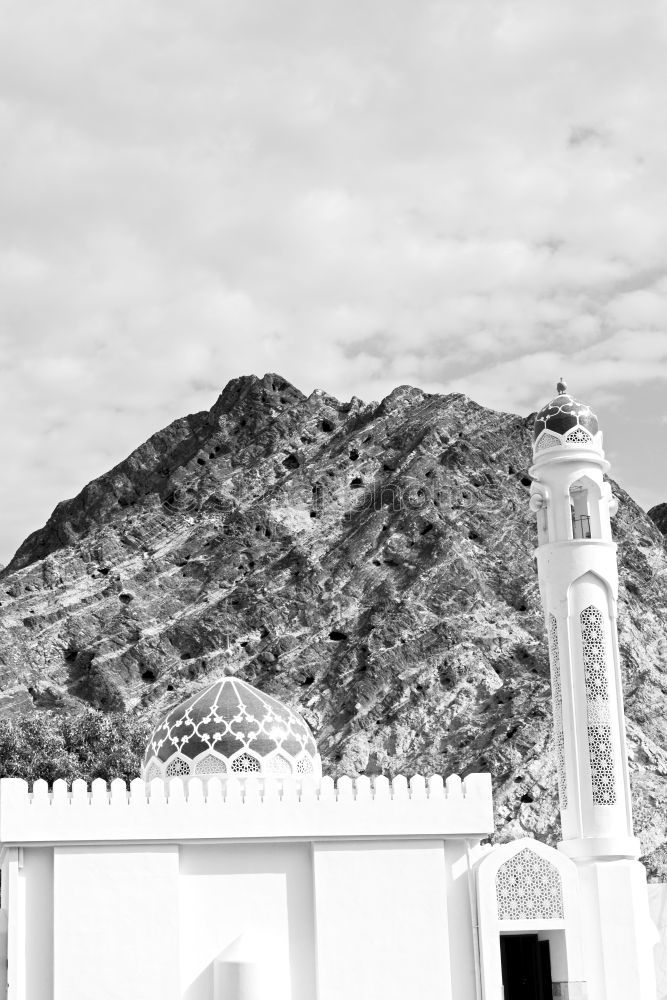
[561,387]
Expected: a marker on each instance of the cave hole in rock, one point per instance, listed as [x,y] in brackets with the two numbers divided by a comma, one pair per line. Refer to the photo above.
[337,636]
[148,675]
[307,681]
[526,797]
[473,536]
[105,570]
[125,598]
[313,513]
[170,687]
[519,777]
[525,481]
[291,462]
[201,461]
[327,425]
[425,530]
[356,483]
[354,454]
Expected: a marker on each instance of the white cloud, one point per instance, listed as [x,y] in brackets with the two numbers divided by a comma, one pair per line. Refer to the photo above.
[458,194]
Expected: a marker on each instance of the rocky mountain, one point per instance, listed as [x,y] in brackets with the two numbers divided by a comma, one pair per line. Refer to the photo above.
[369,563]
[658,515]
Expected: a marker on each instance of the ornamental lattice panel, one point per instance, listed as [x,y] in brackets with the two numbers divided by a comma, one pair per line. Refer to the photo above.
[548,441]
[578,436]
[600,740]
[528,887]
[557,699]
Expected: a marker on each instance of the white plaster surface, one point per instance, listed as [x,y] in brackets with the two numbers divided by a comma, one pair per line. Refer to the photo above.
[382,931]
[206,891]
[618,933]
[115,917]
[268,809]
[657,901]
[247,904]
[37,876]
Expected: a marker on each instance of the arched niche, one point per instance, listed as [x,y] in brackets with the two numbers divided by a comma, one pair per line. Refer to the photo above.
[528,888]
[585,495]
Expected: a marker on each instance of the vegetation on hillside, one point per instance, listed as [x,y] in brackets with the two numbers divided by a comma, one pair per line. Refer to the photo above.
[88,745]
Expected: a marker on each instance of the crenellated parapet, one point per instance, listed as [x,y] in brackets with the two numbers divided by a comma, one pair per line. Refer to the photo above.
[254,808]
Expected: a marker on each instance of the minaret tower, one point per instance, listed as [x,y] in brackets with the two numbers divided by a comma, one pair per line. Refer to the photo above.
[576,560]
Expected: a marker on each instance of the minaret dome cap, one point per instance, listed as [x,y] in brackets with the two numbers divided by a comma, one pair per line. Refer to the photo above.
[566,421]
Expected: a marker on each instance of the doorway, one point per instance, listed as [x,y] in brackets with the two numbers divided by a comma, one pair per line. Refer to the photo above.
[526,967]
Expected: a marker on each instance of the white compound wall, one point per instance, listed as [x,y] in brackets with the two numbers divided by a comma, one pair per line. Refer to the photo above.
[354,891]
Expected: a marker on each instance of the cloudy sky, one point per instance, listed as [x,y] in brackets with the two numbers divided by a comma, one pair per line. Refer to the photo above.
[463,195]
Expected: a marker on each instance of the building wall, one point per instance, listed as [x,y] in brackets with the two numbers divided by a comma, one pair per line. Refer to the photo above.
[382,928]
[657,901]
[297,891]
[37,876]
[460,921]
[115,922]
[249,902]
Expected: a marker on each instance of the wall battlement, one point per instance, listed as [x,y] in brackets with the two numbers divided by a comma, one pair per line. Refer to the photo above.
[255,808]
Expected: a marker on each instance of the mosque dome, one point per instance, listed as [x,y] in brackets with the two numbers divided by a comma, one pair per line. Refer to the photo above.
[231,728]
[566,422]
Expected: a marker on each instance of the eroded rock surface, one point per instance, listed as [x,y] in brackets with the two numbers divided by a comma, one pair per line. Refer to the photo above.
[658,515]
[369,563]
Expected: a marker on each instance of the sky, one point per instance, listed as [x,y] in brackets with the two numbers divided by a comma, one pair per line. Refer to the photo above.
[463,195]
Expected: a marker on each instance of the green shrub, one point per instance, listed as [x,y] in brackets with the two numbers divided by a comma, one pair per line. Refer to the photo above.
[87,745]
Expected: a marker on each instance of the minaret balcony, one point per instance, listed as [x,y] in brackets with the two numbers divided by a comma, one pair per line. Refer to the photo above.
[581,526]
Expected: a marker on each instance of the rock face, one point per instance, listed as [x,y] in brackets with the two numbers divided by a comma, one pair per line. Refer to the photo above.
[370,564]
[658,515]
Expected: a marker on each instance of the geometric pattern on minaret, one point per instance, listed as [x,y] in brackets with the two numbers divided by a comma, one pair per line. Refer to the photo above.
[557,701]
[600,746]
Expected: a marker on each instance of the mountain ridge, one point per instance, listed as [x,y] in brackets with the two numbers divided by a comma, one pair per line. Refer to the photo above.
[370,563]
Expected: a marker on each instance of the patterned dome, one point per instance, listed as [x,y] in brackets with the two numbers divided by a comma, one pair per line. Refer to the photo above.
[566,422]
[231,728]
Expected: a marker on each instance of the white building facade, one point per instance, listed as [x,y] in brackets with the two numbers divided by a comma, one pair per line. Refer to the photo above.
[241,890]
[232,870]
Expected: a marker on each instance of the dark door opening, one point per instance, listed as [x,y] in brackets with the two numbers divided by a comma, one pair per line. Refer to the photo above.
[526,967]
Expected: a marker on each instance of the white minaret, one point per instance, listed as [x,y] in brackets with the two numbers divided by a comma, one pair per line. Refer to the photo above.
[576,560]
